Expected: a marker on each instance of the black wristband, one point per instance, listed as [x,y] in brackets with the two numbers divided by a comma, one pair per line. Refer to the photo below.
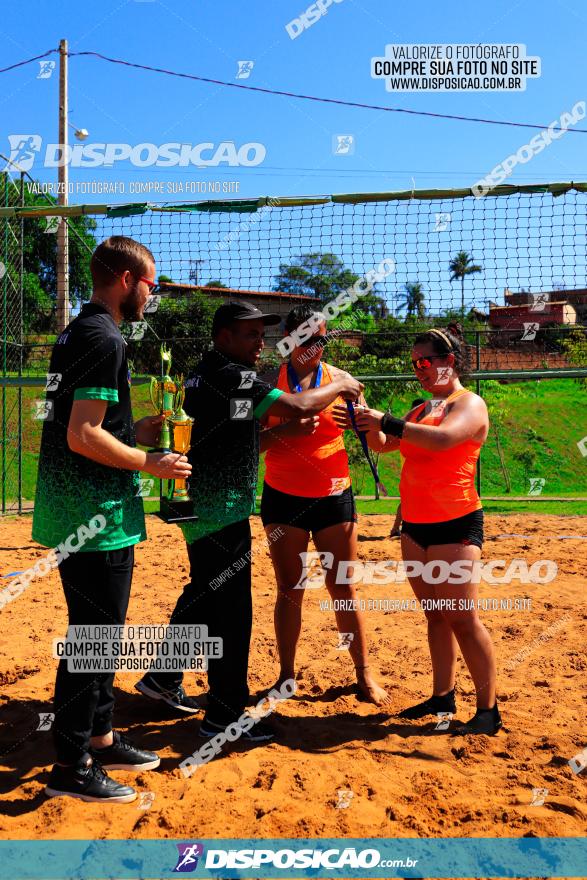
[393,426]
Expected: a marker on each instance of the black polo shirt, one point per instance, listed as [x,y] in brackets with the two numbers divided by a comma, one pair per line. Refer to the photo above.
[88,362]
[226,401]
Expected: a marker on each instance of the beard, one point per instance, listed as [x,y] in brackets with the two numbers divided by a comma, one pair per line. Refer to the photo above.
[131,308]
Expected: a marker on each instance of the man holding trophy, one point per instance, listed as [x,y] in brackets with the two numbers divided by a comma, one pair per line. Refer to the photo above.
[89,476]
[226,400]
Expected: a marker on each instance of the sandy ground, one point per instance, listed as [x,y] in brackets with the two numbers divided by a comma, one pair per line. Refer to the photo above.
[406,779]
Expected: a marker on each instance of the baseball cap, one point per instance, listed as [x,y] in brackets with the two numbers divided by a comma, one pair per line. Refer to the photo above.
[240,311]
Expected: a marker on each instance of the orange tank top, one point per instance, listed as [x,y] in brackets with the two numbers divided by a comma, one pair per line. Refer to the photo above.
[436,486]
[313,465]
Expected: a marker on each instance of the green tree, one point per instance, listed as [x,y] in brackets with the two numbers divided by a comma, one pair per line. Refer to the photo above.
[413,300]
[575,349]
[40,261]
[459,267]
[185,322]
[320,275]
[388,340]
[324,276]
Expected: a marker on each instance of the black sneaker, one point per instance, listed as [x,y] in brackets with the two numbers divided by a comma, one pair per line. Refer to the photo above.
[432,706]
[487,721]
[87,781]
[124,755]
[177,698]
[259,732]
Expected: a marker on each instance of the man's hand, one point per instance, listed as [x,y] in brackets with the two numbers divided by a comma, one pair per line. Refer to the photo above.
[350,388]
[148,430]
[300,427]
[168,465]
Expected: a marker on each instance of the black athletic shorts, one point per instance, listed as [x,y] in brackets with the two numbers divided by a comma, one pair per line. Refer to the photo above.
[466,529]
[310,514]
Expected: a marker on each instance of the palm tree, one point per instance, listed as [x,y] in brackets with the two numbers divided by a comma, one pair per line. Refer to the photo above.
[413,300]
[460,266]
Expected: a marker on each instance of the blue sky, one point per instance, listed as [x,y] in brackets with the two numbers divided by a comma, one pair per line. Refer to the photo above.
[330,59]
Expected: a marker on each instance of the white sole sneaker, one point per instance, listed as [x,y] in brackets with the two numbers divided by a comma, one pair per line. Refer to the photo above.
[149,765]
[144,689]
[120,799]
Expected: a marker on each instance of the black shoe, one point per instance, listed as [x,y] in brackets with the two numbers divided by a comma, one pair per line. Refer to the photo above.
[123,755]
[487,721]
[87,781]
[177,698]
[431,706]
[259,732]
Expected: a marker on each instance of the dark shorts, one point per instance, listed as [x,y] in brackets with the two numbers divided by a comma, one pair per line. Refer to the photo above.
[466,529]
[310,514]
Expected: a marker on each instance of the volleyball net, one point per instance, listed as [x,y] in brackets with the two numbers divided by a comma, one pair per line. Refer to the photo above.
[509,266]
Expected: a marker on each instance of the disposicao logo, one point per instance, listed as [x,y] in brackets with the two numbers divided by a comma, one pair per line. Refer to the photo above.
[187,861]
[24,149]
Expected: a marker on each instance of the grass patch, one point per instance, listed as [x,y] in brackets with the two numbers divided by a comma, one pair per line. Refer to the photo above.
[536,425]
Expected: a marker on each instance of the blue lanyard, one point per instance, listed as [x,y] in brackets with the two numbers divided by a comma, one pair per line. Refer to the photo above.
[295,382]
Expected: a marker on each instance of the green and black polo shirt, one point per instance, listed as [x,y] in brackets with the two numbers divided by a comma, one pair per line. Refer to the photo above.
[88,363]
[226,401]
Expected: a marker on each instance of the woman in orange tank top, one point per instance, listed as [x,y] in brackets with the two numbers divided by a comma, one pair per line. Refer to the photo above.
[307,490]
[442,520]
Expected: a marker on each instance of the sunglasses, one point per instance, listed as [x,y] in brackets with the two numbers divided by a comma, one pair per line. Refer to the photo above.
[424,362]
[153,286]
[315,340]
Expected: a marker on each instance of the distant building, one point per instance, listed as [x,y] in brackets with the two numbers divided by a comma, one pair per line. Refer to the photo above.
[515,344]
[576,298]
[514,317]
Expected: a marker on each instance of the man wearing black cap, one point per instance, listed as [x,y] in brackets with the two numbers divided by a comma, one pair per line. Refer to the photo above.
[226,400]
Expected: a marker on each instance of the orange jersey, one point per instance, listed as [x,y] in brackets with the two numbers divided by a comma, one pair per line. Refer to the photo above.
[436,486]
[314,465]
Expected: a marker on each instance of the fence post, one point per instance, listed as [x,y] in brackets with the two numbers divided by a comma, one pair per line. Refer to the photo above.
[478,349]
[21,342]
[4,283]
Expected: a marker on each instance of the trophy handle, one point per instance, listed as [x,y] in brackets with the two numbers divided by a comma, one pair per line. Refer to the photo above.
[155,395]
[179,396]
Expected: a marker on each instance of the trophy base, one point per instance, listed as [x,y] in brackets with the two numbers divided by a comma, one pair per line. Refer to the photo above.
[177,511]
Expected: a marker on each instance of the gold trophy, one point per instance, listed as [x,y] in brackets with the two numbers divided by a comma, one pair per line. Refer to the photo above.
[167,396]
[162,392]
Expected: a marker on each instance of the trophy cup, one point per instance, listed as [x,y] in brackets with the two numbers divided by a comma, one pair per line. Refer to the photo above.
[167,397]
[162,391]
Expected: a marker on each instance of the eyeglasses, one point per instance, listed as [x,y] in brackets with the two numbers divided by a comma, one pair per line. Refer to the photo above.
[153,286]
[315,340]
[424,362]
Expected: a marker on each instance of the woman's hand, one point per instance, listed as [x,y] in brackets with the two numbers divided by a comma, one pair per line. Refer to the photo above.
[366,419]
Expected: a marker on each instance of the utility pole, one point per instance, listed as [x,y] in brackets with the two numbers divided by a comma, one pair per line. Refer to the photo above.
[194,270]
[62,178]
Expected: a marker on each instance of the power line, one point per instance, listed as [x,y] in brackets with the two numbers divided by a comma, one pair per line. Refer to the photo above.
[28,60]
[337,101]
[297,95]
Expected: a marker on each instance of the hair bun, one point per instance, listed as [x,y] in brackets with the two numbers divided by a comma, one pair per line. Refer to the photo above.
[455,327]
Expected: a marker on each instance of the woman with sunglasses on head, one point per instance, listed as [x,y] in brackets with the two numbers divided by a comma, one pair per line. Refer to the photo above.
[442,518]
[307,491]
